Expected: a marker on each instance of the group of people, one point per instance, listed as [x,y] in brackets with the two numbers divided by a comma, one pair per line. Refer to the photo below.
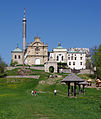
[34,92]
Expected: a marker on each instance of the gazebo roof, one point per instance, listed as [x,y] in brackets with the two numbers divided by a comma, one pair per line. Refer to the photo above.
[83,83]
[72,78]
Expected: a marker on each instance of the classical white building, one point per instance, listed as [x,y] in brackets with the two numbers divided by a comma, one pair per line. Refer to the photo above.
[59,54]
[75,57]
[76,60]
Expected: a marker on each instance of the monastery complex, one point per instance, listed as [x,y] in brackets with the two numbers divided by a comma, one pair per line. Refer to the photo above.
[36,53]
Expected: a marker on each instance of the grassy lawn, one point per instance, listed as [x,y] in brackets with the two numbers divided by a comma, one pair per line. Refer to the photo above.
[16,101]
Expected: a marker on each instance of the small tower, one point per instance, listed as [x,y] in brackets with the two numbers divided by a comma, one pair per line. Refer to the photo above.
[24,35]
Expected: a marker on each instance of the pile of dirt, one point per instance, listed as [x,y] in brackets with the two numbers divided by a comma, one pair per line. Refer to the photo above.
[24,72]
[51,80]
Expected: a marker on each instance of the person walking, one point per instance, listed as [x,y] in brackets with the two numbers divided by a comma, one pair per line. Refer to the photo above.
[32,92]
[55,92]
[35,92]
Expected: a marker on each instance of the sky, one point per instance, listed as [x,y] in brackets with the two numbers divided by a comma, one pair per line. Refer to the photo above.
[73,23]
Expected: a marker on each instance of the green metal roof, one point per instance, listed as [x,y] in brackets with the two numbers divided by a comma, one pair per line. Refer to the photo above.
[17,50]
[59,47]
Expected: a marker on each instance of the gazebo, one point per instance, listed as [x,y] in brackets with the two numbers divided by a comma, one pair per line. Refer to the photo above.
[83,84]
[72,78]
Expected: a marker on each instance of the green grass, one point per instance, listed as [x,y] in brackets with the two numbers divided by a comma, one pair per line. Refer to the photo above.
[87,76]
[12,72]
[16,101]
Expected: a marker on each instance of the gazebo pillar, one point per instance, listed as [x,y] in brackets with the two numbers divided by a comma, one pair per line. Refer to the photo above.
[83,89]
[79,88]
[68,88]
[74,88]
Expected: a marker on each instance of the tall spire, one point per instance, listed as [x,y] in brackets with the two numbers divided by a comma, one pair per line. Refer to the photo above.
[24,35]
[24,12]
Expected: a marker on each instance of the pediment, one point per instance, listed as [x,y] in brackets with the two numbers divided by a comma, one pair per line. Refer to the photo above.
[36,44]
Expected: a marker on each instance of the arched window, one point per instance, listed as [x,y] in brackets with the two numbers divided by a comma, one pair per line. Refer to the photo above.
[62,58]
[15,57]
[37,61]
[19,56]
[57,58]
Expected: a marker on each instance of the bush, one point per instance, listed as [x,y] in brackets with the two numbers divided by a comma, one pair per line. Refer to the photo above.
[13,63]
[2,65]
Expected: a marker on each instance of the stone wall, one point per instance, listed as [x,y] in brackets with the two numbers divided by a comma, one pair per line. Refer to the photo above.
[85,71]
[34,77]
[31,67]
[65,70]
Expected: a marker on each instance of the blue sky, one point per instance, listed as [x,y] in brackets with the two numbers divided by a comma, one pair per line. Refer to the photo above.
[74,23]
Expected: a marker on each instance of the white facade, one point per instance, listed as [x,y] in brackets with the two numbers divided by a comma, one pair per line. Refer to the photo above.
[17,55]
[75,57]
[59,54]
[76,60]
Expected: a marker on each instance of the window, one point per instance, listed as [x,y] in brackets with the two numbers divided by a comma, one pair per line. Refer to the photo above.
[28,51]
[57,58]
[73,63]
[19,56]
[68,58]
[37,49]
[80,58]
[15,57]
[69,63]
[75,58]
[62,58]
[71,57]
[80,63]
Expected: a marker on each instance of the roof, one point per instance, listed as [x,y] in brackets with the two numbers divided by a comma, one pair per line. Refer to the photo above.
[17,50]
[72,78]
[59,46]
[76,52]
[83,83]
[89,80]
